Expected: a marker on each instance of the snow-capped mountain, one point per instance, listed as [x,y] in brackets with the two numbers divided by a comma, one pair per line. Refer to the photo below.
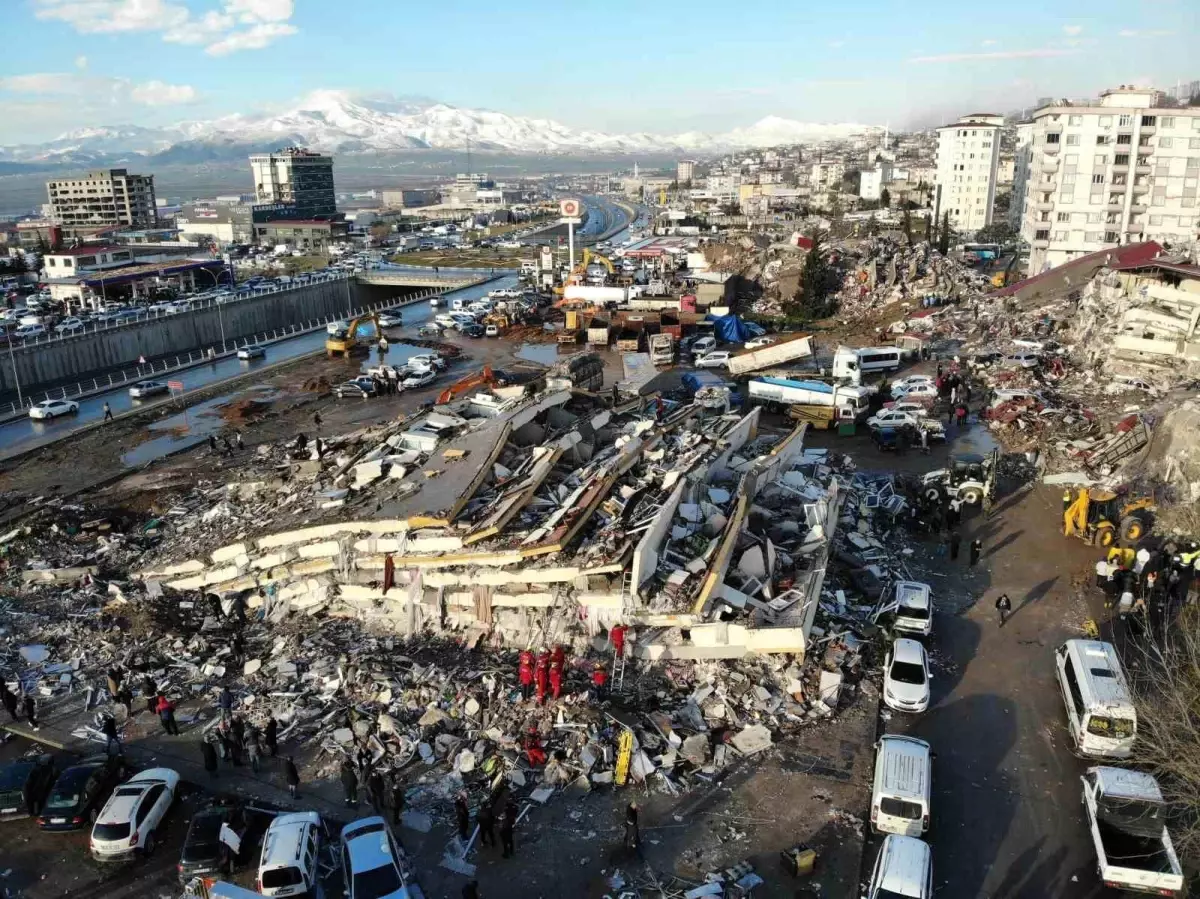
[333,121]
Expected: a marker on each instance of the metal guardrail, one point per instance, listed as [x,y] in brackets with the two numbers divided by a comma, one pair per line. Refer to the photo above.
[166,366]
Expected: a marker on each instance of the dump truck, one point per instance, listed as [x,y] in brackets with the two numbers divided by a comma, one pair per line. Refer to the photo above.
[662,349]
[822,418]
[1127,816]
[778,393]
[785,349]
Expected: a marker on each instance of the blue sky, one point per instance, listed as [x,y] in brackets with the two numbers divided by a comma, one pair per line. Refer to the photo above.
[614,66]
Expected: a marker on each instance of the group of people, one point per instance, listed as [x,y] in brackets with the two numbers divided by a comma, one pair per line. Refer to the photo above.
[224,447]
[27,704]
[487,819]
[1145,581]
[542,676]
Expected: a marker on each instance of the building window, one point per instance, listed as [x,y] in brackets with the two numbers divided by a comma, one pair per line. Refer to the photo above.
[1110,237]
[1072,140]
[1105,121]
[1068,196]
[1168,121]
[1121,159]
[1053,138]
[1164,142]
[1156,219]
[1074,120]
[1102,139]
[1042,234]
[1064,216]
[1093,236]
[1060,236]
[1149,121]
[1126,121]
[1094,218]
[1124,139]
[1098,179]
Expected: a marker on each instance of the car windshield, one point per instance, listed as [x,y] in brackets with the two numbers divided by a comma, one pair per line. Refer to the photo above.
[1117,728]
[899,808]
[274,878]
[68,789]
[111,831]
[914,611]
[908,673]
[381,881]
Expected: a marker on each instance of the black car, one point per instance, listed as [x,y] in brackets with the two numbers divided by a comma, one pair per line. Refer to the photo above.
[24,785]
[473,330]
[358,388]
[201,856]
[80,792]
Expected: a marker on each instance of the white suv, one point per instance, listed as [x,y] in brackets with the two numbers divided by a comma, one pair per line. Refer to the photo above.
[289,862]
[373,866]
[127,823]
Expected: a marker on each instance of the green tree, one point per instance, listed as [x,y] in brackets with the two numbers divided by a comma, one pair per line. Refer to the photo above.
[944,235]
[885,198]
[930,228]
[818,282]
[906,224]
[997,232]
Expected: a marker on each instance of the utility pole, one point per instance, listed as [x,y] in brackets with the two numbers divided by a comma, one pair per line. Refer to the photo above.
[16,377]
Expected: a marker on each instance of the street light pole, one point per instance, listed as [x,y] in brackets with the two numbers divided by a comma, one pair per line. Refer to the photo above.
[220,318]
[16,378]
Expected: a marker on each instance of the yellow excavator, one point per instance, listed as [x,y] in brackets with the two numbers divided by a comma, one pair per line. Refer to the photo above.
[1098,518]
[346,341]
[579,273]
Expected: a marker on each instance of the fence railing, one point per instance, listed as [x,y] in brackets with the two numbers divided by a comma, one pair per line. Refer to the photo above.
[167,365]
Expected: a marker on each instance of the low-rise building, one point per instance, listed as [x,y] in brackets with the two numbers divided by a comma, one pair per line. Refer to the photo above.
[90,275]
[310,235]
[225,223]
[874,180]
[410,198]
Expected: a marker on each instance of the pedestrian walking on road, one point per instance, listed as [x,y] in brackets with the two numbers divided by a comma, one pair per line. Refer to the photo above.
[955,541]
[486,819]
[271,736]
[291,775]
[953,515]
[317,420]
[349,783]
[10,701]
[1003,606]
[375,791]
[108,416]
[633,836]
[226,702]
[210,757]
[241,444]
[253,748]
[31,711]
[166,714]
[976,549]
[462,816]
[150,691]
[108,727]
[507,824]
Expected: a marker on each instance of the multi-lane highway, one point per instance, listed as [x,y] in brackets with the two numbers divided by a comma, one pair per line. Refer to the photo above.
[25,434]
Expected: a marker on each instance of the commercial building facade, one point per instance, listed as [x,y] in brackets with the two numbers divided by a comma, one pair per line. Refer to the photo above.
[1123,171]
[103,199]
[685,172]
[297,179]
[968,156]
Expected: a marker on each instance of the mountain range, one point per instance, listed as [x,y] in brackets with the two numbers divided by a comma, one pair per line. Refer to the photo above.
[336,122]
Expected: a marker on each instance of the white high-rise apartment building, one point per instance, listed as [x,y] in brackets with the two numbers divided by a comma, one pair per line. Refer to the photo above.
[103,199]
[968,155]
[685,171]
[1021,170]
[1123,171]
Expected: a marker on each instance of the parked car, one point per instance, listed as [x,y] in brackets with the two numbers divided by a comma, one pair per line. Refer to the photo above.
[1024,359]
[757,342]
[24,785]
[473,330]
[390,320]
[906,677]
[428,360]
[445,320]
[80,792]
[908,380]
[903,870]
[920,390]
[429,330]
[373,864]
[290,860]
[713,359]
[909,407]
[492,331]
[26,332]
[890,418]
[419,379]
[143,389]
[53,409]
[700,345]
[69,325]
[358,388]
[254,351]
[128,823]
[201,854]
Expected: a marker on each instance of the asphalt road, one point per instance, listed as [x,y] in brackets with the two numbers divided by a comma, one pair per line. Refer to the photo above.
[1006,816]
[26,433]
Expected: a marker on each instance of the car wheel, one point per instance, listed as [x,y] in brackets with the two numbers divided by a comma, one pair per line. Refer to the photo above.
[971,497]
[148,846]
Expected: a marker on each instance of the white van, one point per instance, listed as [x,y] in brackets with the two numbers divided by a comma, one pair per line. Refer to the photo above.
[290,853]
[911,602]
[903,868]
[1101,717]
[900,795]
[458,303]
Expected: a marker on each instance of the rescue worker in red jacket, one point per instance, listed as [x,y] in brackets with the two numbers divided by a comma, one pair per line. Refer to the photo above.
[617,635]
[533,748]
[525,672]
[542,676]
[557,662]
[600,682]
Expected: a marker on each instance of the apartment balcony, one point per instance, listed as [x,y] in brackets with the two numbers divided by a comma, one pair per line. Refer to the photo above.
[1049,166]
[1120,168]
[1135,228]
[1138,208]
[1140,189]
[1143,167]
[1044,206]
[1144,150]
[1041,243]
[1115,205]
[1051,149]
[1148,129]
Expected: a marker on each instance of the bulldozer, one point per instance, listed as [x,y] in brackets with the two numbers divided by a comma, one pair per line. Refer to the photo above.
[345,342]
[485,377]
[1099,518]
[579,273]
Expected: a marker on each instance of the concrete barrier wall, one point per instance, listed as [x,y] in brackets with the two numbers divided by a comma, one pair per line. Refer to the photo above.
[86,356]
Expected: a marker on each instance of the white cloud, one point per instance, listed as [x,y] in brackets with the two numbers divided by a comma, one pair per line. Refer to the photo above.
[226,27]
[1133,32]
[837,45]
[994,54]
[81,62]
[989,43]
[1072,30]
[98,89]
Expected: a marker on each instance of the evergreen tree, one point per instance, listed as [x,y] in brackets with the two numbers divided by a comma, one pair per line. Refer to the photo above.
[944,235]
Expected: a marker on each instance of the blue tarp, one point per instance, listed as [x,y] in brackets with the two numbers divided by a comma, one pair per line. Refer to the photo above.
[731,329]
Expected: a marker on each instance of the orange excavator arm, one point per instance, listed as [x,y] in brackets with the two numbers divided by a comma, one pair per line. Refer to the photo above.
[481,378]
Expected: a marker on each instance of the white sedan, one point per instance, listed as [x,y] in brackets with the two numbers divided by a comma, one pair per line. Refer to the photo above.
[892,419]
[914,391]
[128,822]
[917,410]
[53,408]
[418,379]
[757,342]
[143,389]
[390,320]
[713,359]
[906,677]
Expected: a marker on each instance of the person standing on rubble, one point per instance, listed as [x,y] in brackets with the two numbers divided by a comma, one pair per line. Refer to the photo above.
[212,442]
[542,676]
[976,550]
[532,744]
[30,709]
[462,816]
[525,672]
[291,775]
[238,649]
[210,756]
[955,541]
[633,836]
[953,515]
[375,791]
[397,799]
[599,683]
[616,635]
[317,420]
[10,701]
[241,444]
[485,820]
[349,782]
[253,748]
[237,729]
[150,691]
[226,702]
[271,736]
[558,660]
[166,714]
[114,682]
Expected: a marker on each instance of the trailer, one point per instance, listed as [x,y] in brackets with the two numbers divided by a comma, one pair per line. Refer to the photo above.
[777,393]
[784,350]
[822,418]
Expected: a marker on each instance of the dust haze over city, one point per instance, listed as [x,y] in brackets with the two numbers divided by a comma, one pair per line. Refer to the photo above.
[606,451]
